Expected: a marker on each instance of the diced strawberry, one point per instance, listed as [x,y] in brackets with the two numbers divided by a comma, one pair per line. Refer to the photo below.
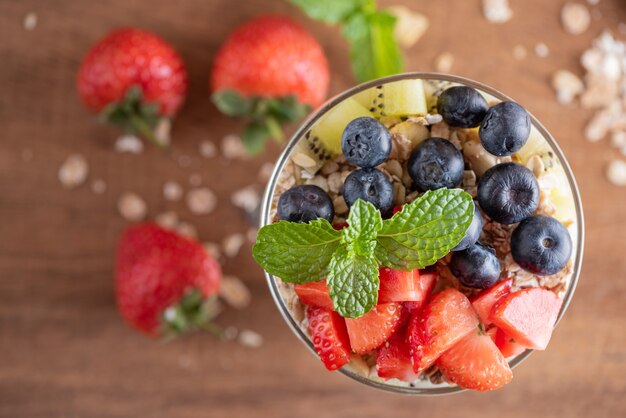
[394,359]
[446,319]
[397,209]
[374,328]
[404,286]
[528,316]
[339,226]
[475,363]
[315,294]
[330,337]
[484,301]
[507,345]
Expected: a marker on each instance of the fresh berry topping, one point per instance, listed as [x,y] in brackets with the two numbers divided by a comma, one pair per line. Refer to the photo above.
[475,363]
[442,323]
[462,107]
[473,231]
[397,209]
[269,57]
[541,245]
[508,193]
[156,271]
[366,142]
[371,186]
[330,337]
[436,163]
[505,129]
[484,302]
[507,345]
[394,359]
[528,316]
[476,266]
[305,203]
[315,294]
[404,286]
[374,328]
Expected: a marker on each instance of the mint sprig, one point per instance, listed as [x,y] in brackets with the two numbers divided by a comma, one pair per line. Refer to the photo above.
[423,232]
[374,51]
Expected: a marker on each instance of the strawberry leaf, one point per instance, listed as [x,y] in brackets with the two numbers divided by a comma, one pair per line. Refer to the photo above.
[232,103]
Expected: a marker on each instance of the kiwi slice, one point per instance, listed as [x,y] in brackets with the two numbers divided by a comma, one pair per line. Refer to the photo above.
[323,141]
[398,98]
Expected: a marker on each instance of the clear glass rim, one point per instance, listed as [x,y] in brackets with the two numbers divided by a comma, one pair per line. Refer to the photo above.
[312,119]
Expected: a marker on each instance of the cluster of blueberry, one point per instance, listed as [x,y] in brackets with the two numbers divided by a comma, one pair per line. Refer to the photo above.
[508,193]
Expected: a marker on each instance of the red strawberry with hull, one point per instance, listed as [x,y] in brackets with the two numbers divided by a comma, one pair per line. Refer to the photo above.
[133,78]
[269,70]
[164,282]
[330,337]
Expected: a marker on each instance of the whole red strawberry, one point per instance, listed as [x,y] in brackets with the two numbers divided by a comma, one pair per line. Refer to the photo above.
[271,70]
[133,78]
[164,283]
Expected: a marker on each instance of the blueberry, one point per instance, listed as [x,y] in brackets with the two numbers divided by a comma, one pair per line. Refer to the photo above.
[370,185]
[473,231]
[477,266]
[508,193]
[541,245]
[366,142]
[305,203]
[436,163]
[505,129]
[462,107]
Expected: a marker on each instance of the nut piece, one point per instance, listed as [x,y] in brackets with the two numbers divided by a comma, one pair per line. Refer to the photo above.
[235,292]
[497,11]
[73,172]
[201,201]
[567,85]
[132,207]
[575,18]
[172,191]
[129,143]
[30,21]
[536,165]
[249,338]
[478,157]
[247,198]
[410,25]
[616,172]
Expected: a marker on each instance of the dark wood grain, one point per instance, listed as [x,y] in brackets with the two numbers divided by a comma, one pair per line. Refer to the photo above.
[64,351]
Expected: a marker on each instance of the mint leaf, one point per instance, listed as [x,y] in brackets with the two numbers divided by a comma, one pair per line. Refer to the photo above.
[353,282]
[232,103]
[364,222]
[425,230]
[330,11]
[297,253]
[373,49]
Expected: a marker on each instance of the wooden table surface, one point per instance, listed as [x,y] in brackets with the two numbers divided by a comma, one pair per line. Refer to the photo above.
[65,352]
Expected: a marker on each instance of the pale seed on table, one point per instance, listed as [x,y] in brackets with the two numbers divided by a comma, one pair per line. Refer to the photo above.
[187,229]
[410,26]
[132,207]
[575,18]
[201,201]
[265,173]
[541,50]
[207,149]
[30,21]
[172,191]
[73,172]
[616,172]
[233,148]
[167,220]
[249,338]
[444,62]
[497,11]
[519,52]
[98,186]
[234,292]
[247,198]
[129,143]
[231,244]
[213,249]
[567,85]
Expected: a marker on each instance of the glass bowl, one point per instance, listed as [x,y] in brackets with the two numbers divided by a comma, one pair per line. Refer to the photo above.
[424,388]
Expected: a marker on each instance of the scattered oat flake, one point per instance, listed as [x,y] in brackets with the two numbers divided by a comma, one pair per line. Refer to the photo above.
[249,338]
[575,18]
[598,126]
[129,143]
[303,160]
[98,186]
[233,148]
[567,85]
[410,26]
[187,229]
[207,149]
[132,207]
[201,201]
[195,180]
[213,249]
[444,62]
[234,292]
[266,171]
[541,50]
[497,11]
[162,131]
[167,220]
[232,244]
[519,52]
[616,172]
[247,198]
[30,21]
[172,191]
[73,172]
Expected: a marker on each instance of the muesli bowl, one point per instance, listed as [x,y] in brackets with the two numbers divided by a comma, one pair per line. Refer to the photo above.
[305,160]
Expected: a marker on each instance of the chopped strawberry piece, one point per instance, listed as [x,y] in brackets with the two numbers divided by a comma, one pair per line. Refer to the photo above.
[315,294]
[404,286]
[443,322]
[484,301]
[339,226]
[507,345]
[394,359]
[528,316]
[374,328]
[397,209]
[330,337]
[475,363]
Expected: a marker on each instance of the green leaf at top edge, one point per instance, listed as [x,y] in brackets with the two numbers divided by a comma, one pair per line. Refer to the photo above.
[425,230]
[232,103]
[296,252]
[330,11]
[353,282]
